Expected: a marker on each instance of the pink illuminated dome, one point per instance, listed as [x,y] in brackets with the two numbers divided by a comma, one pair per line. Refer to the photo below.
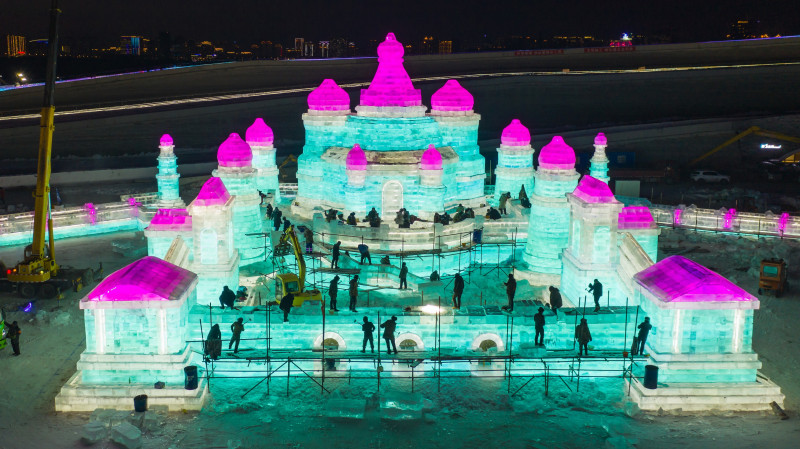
[234,152]
[329,97]
[557,155]
[259,134]
[431,159]
[356,159]
[600,139]
[452,97]
[593,190]
[391,86]
[166,140]
[390,49]
[515,135]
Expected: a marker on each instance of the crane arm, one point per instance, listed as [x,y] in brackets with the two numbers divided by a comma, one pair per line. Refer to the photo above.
[751,130]
[290,236]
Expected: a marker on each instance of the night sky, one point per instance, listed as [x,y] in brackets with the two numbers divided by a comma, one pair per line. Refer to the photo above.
[249,21]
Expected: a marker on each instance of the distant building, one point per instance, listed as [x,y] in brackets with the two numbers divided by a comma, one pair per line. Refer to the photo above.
[742,29]
[324,49]
[308,49]
[37,47]
[15,45]
[131,45]
[298,44]
[427,46]
[445,47]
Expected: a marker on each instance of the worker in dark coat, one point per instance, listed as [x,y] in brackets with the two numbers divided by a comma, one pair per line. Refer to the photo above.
[644,330]
[555,300]
[511,289]
[523,198]
[596,289]
[214,343]
[353,293]
[269,211]
[493,214]
[13,335]
[227,298]
[368,328]
[364,250]
[333,291]
[389,327]
[236,333]
[309,236]
[403,277]
[276,218]
[458,289]
[351,219]
[538,324]
[503,200]
[435,276]
[286,224]
[286,305]
[583,336]
[335,255]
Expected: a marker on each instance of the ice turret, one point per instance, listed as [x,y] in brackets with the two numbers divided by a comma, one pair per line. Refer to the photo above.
[514,161]
[260,138]
[234,152]
[328,99]
[451,99]
[168,177]
[391,93]
[599,167]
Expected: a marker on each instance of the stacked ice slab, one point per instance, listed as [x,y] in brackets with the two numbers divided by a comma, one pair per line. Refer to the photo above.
[548,230]
[390,154]
[215,260]
[638,221]
[164,227]
[514,161]
[236,172]
[136,324]
[167,177]
[260,138]
[592,251]
[701,340]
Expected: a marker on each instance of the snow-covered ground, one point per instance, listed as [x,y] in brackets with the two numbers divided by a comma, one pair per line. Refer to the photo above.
[466,412]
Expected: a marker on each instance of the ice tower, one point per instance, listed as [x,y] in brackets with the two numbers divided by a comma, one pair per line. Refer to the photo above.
[592,251]
[164,227]
[599,161]
[237,173]
[638,221]
[514,161]
[216,261]
[167,177]
[260,138]
[381,156]
[548,230]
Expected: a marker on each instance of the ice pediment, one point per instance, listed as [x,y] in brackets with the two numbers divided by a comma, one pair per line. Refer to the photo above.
[679,283]
[259,134]
[593,190]
[147,279]
[171,220]
[213,193]
[557,155]
[340,156]
[636,217]
[515,135]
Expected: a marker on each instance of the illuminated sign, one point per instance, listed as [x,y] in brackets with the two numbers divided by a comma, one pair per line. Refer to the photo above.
[769,146]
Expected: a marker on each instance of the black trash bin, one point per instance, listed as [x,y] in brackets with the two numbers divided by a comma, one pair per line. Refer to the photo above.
[140,403]
[191,377]
[651,377]
[477,235]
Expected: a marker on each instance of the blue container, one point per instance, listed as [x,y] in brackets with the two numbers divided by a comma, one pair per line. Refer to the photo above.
[191,377]
[477,235]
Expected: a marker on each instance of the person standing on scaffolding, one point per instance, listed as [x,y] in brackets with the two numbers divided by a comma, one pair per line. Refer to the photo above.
[596,289]
[389,327]
[353,293]
[335,255]
[583,336]
[644,330]
[333,291]
[555,300]
[538,323]
[236,329]
[364,250]
[458,289]
[286,305]
[368,328]
[404,277]
[511,289]
[214,343]
[309,236]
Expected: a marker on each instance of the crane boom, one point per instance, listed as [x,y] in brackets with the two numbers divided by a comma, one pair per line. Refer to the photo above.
[291,236]
[751,130]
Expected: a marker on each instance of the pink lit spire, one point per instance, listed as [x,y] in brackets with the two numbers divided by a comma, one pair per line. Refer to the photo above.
[234,152]
[166,140]
[213,193]
[600,139]
[557,155]
[329,97]
[259,134]
[356,159]
[593,190]
[515,135]
[431,159]
[391,85]
[147,279]
[452,97]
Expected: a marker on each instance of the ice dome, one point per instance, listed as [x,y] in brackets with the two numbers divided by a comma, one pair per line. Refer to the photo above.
[515,135]
[259,133]
[356,159]
[452,97]
[600,139]
[391,86]
[593,190]
[431,159]
[234,152]
[557,155]
[328,97]
[166,140]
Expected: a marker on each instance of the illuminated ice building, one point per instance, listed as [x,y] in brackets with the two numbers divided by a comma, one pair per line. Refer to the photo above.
[391,153]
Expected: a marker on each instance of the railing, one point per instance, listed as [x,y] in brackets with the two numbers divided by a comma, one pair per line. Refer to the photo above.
[767,224]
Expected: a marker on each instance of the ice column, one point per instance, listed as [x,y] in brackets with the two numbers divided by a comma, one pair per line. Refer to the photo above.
[216,261]
[237,173]
[599,161]
[431,188]
[452,108]
[548,231]
[260,138]
[514,161]
[167,177]
[592,250]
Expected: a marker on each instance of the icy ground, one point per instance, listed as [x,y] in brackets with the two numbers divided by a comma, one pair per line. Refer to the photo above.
[464,413]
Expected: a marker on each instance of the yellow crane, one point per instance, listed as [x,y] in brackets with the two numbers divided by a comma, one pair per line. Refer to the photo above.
[752,130]
[295,283]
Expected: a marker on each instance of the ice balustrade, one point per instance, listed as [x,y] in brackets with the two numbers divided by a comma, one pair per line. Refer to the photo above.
[727,220]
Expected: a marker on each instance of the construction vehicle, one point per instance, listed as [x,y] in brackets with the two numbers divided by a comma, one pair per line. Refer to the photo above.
[772,276]
[290,282]
[39,273]
[752,130]
[3,330]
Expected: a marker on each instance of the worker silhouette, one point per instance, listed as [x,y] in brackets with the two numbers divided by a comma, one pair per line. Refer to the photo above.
[538,324]
[286,305]
[389,327]
[227,298]
[368,328]
[458,290]
[333,291]
[596,289]
[335,255]
[583,336]
[555,300]
[236,334]
[644,331]
[404,277]
[353,293]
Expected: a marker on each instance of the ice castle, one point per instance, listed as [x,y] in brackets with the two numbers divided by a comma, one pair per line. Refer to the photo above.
[389,154]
